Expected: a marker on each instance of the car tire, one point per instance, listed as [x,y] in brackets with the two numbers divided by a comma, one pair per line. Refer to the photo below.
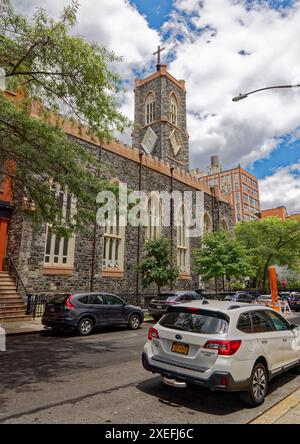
[85,326]
[258,386]
[134,322]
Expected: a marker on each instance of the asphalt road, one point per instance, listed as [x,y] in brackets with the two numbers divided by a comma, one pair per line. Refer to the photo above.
[51,378]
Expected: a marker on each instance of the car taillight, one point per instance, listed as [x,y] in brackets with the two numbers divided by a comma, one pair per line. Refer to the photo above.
[225,348]
[68,303]
[152,333]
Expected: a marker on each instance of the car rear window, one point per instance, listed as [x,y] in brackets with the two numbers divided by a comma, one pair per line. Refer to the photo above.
[59,299]
[198,322]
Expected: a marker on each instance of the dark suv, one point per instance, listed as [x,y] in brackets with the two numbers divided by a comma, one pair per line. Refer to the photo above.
[85,311]
[159,305]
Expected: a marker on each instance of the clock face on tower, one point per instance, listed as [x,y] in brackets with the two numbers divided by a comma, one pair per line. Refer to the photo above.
[175,142]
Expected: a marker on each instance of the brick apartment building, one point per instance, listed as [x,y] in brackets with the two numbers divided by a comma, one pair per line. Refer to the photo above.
[280,212]
[238,184]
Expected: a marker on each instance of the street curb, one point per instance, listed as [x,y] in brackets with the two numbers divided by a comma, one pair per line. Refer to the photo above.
[278,410]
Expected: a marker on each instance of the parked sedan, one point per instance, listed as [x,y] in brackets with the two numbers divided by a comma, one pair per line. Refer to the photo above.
[85,311]
[159,305]
[222,346]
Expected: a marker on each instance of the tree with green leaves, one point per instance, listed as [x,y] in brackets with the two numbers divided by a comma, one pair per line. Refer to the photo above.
[66,75]
[270,241]
[221,256]
[156,266]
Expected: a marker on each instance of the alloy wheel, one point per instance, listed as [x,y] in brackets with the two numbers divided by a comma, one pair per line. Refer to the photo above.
[86,327]
[135,322]
[259,383]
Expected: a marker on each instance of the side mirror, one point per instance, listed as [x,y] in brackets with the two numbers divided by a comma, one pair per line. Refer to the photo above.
[293,326]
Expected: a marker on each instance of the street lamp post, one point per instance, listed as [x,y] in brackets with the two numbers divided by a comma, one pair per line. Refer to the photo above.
[243,96]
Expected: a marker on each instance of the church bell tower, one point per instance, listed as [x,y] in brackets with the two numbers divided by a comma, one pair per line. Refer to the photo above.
[160,117]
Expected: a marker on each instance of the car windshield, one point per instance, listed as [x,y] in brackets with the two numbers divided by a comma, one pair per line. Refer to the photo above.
[296,297]
[205,323]
[165,297]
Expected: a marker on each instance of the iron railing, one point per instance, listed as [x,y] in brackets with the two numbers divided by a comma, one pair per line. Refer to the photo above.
[10,266]
[36,305]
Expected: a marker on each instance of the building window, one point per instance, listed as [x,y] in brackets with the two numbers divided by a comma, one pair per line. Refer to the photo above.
[150,109]
[153,226]
[59,251]
[224,225]
[173,110]
[207,224]
[113,248]
[183,241]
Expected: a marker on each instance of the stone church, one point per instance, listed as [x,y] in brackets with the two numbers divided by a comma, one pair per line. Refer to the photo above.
[106,258]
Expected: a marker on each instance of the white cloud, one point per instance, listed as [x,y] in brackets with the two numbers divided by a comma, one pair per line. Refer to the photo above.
[214,71]
[282,188]
[115,24]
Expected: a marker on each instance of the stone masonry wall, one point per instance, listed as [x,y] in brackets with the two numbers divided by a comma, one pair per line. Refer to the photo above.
[27,243]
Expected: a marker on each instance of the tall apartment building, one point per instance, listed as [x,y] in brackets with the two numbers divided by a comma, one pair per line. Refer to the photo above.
[239,184]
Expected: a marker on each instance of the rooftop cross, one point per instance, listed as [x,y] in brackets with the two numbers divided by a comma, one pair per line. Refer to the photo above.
[159,50]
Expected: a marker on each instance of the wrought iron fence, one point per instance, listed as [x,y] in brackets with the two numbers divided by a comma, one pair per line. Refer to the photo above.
[36,304]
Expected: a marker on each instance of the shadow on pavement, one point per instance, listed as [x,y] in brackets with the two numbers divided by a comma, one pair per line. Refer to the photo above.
[202,399]
[51,355]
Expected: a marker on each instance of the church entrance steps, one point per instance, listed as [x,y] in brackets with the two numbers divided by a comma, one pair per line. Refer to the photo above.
[14,318]
[12,307]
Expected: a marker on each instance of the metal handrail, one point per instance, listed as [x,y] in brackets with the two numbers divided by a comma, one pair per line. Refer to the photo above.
[12,270]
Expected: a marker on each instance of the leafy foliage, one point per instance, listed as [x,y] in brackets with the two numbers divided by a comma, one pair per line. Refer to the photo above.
[64,73]
[156,266]
[270,241]
[220,255]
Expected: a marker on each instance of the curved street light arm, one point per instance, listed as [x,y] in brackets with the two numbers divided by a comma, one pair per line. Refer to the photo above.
[243,96]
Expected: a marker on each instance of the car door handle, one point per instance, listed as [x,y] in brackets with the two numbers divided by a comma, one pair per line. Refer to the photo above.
[264,342]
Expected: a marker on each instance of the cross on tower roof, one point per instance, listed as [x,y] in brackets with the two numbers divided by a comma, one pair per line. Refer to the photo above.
[159,50]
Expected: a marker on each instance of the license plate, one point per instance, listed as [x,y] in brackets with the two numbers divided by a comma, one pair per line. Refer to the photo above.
[158,306]
[180,348]
[52,309]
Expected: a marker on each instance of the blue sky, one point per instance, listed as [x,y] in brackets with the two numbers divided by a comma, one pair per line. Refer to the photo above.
[287,152]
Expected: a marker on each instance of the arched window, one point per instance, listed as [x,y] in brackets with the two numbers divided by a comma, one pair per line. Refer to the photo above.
[183,241]
[224,225]
[150,109]
[173,110]
[59,251]
[113,248]
[207,224]
[153,216]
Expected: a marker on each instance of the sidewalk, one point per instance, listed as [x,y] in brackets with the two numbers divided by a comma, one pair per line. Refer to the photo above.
[16,328]
[286,411]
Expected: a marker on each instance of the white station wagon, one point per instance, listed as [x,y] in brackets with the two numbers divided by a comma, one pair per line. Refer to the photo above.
[223,346]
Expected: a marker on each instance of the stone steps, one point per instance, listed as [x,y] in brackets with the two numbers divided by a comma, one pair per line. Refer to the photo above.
[12,307]
[14,318]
